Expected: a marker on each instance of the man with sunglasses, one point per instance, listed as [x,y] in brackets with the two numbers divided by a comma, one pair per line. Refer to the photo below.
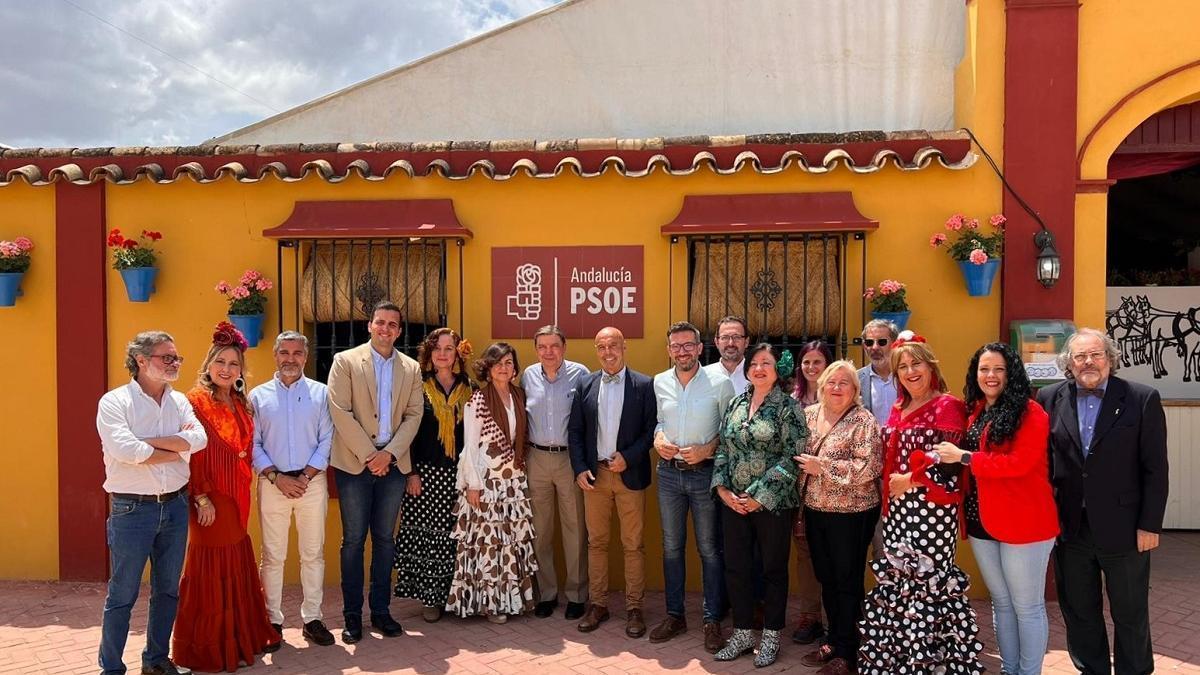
[875,378]
[148,433]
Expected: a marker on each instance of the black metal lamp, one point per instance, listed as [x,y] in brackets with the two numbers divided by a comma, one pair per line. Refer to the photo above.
[1048,263]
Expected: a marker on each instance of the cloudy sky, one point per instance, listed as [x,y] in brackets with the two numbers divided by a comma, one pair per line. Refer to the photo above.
[177,72]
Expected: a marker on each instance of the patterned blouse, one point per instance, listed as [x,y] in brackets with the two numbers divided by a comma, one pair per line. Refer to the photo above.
[851,461]
[755,453]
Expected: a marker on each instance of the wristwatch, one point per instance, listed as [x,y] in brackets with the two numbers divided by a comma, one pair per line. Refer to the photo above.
[966,459]
[272,475]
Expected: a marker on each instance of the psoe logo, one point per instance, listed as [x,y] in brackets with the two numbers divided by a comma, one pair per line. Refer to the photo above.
[526,303]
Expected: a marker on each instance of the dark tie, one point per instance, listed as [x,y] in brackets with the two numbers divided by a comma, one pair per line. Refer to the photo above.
[609,379]
[1098,393]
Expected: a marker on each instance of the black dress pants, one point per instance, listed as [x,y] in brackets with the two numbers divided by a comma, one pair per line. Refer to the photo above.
[1078,565]
[770,534]
[838,543]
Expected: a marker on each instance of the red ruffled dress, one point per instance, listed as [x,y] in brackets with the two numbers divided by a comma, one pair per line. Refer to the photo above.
[222,620]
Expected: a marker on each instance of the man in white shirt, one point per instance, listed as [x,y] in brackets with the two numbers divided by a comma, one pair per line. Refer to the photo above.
[292,436]
[691,404]
[148,433]
[731,341]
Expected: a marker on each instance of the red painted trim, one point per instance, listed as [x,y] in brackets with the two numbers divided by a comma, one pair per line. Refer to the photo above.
[1041,55]
[756,213]
[1087,140]
[1100,185]
[345,219]
[82,331]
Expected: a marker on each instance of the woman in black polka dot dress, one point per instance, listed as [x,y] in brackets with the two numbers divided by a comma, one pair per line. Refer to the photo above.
[917,618]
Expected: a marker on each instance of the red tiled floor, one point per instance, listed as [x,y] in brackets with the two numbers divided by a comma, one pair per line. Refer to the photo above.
[50,627]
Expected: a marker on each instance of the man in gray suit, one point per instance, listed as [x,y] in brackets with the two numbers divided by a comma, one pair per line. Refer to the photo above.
[875,379]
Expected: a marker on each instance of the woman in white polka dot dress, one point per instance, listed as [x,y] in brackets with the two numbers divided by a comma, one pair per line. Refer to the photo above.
[917,618]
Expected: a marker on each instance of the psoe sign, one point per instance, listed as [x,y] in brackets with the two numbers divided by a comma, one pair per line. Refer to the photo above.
[581,289]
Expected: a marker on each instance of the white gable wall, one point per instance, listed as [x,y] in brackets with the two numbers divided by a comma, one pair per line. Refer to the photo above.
[646,68]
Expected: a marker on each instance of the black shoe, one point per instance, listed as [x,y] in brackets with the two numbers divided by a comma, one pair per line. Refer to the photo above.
[316,632]
[385,624]
[353,631]
[273,647]
[545,608]
[165,668]
[574,611]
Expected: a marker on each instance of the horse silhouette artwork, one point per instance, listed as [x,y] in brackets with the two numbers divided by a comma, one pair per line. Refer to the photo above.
[1145,333]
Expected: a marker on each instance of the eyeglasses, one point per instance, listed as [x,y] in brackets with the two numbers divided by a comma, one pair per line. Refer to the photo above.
[730,338]
[168,359]
[838,384]
[871,342]
[1080,359]
[676,347]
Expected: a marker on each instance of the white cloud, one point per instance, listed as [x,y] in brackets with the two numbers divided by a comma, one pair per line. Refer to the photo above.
[72,81]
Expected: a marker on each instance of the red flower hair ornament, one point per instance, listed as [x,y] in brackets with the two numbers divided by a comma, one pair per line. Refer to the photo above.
[907,336]
[227,335]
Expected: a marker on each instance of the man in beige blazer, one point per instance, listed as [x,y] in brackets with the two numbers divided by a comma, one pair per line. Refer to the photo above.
[376,400]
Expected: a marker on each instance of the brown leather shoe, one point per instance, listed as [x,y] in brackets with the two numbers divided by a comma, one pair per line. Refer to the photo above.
[669,628]
[714,639]
[838,666]
[595,616]
[818,657]
[635,625]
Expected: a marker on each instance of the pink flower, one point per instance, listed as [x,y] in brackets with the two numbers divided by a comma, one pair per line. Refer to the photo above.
[250,277]
[263,284]
[9,250]
[937,239]
[971,223]
[888,286]
[955,222]
[870,294]
[239,292]
[998,221]
[24,243]
[222,287]
[978,257]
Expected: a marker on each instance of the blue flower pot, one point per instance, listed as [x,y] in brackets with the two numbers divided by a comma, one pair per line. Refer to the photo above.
[10,288]
[139,282]
[251,326]
[979,277]
[898,318]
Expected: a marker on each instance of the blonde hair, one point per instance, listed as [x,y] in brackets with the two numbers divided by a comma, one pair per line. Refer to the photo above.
[843,365]
[920,353]
[205,381]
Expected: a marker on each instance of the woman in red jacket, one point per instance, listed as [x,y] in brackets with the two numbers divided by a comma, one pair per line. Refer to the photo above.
[1010,514]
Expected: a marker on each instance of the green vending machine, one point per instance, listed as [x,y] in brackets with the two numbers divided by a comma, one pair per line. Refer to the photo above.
[1038,341]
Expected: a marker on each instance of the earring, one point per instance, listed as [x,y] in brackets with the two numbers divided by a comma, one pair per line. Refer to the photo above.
[239,384]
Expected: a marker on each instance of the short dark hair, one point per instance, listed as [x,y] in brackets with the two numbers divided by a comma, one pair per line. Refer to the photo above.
[732,318]
[783,383]
[387,305]
[682,327]
[550,329]
[491,356]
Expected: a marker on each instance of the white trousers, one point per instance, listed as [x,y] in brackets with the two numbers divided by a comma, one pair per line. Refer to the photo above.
[275,513]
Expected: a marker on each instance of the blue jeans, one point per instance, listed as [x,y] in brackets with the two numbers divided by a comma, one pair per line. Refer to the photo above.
[137,532]
[679,491]
[368,502]
[1015,575]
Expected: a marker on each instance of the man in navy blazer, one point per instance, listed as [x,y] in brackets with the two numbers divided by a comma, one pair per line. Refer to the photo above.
[1108,456]
[613,416]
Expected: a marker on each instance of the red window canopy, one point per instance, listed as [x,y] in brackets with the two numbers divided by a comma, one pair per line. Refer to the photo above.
[370,219]
[767,213]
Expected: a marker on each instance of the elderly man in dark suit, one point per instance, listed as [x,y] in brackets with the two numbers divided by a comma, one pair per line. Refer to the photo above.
[613,416]
[1108,451]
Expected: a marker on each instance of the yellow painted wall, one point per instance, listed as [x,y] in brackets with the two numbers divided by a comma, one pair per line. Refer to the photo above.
[28,407]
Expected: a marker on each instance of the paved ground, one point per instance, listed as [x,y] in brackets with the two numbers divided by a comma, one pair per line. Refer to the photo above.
[54,628]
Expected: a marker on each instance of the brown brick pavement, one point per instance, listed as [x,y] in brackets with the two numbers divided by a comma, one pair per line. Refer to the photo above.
[49,627]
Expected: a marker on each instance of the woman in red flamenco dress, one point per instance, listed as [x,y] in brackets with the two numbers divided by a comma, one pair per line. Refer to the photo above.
[222,620]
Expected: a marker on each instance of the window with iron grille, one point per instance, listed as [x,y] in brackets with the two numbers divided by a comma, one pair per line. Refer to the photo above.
[790,288]
[339,281]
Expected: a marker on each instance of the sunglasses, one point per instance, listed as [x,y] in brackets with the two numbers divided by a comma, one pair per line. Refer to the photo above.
[871,342]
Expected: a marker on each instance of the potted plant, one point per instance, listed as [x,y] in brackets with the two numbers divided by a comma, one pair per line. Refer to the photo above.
[14,262]
[888,301]
[134,259]
[247,304]
[977,254]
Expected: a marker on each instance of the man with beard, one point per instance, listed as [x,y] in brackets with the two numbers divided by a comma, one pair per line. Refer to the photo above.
[875,379]
[148,433]
[731,340]
[293,433]
[691,404]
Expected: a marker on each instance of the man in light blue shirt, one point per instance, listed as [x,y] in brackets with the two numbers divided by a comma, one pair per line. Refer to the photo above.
[549,388]
[292,435]
[875,379]
[691,404]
